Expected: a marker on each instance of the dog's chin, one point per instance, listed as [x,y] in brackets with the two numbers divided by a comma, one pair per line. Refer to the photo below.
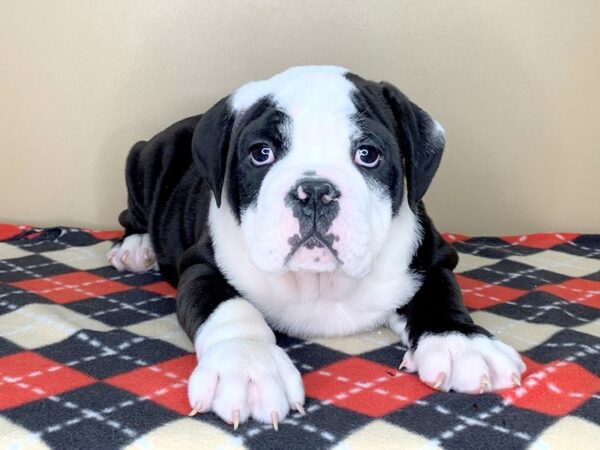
[316,259]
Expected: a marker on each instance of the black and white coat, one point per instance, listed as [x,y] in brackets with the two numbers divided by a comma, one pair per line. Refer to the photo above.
[295,204]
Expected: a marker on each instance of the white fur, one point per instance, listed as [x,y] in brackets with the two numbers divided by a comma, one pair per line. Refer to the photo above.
[307,304]
[133,254]
[290,85]
[318,101]
[240,367]
[302,295]
[397,324]
[465,361]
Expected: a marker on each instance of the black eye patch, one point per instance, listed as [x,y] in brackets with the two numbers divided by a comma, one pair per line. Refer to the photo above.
[264,124]
[387,174]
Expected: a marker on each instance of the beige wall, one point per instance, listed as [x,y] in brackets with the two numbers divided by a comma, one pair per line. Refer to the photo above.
[515,83]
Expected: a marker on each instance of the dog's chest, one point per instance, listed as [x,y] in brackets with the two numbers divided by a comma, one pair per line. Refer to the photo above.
[307,305]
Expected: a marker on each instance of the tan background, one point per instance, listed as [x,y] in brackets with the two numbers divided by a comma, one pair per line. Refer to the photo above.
[515,83]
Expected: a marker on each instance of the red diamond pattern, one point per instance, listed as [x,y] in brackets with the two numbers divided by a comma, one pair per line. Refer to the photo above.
[71,287]
[555,389]
[8,231]
[164,383]
[365,387]
[357,389]
[540,240]
[27,377]
[478,294]
[577,290]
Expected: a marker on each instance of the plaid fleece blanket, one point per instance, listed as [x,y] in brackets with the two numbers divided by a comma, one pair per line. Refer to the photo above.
[93,358]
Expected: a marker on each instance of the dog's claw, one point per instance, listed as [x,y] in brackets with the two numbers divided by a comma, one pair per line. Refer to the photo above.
[407,364]
[300,409]
[485,384]
[193,412]
[236,419]
[439,380]
[148,259]
[125,258]
[516,380]
[148,263]
[275,420]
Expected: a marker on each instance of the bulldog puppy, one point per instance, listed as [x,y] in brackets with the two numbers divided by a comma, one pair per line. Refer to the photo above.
[295,204]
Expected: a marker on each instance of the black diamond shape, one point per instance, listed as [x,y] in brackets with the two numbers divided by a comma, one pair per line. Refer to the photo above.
[422,417]
[320,429]
[511,428]
[543,307]
[75,237]
[8,348]
[593,276]
[567,344]
[483,421]
[492,247]
[128,278]
[13,298]
[390,355]
[125,308]
[40,246]
[515,275]
[96,417]
[589,410]
[307,354]
[587,246]
[104,355]
[27,267]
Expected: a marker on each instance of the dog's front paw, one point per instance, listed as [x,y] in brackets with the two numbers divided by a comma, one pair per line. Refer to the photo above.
[134,254]
[472,364]
[239,378]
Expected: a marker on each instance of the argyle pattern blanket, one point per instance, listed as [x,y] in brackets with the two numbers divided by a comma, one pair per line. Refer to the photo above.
[93,358]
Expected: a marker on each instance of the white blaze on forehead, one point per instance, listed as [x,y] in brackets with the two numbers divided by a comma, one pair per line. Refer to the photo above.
[300,89]
[318,100]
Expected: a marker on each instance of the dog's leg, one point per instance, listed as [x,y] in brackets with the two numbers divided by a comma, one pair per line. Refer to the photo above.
[446,348]
[134,254]
[241,372]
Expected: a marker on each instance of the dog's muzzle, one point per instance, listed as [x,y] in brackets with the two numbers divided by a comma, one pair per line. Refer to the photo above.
[314,202]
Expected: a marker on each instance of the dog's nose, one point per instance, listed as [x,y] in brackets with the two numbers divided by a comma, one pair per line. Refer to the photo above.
[316,191]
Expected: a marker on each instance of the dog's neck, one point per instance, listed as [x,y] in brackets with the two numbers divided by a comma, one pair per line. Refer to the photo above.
[307,304]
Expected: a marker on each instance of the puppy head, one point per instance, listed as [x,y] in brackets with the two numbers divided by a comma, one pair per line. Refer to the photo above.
[315,162]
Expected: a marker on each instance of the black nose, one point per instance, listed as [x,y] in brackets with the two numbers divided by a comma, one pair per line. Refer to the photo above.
[316,191]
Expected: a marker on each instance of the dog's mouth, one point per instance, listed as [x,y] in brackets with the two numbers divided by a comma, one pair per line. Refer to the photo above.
[313,252]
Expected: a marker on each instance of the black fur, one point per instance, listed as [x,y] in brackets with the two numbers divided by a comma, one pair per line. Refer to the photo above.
[167,197]
[437,307]
[170,178]
[262,123]
[314,215]
[211,144]
[202,287]
[405,135]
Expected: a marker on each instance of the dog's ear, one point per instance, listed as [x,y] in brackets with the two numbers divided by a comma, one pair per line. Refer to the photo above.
[210,145]
[421,139]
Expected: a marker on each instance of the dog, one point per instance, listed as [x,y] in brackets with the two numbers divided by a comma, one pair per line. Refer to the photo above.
[295,204]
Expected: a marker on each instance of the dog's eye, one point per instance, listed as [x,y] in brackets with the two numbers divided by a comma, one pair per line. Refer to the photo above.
[367,156]
[261,154]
